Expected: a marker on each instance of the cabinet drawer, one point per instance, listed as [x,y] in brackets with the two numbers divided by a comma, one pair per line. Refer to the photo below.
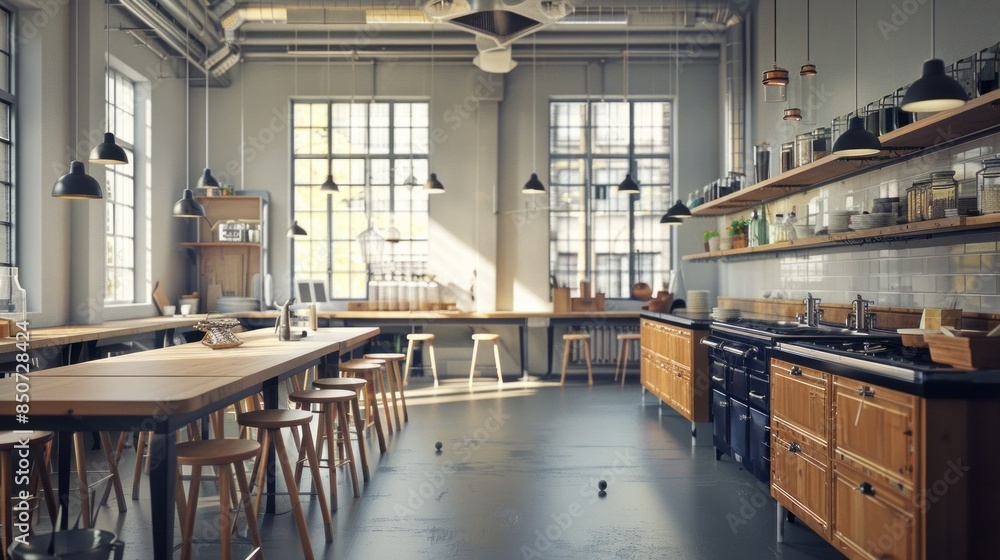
[800,477]
[799,396]
[869,520]
[873,432]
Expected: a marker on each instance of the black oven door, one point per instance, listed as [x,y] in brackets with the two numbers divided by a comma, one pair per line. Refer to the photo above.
[739,420]
[720,423]
[759,446]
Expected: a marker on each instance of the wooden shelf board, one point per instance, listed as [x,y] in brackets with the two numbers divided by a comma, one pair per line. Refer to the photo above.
[980,114]
[928,227]
[219,244]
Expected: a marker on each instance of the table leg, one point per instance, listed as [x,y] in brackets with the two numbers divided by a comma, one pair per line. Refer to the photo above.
[270,402]
[522,331]
[330,365]
[548,354]
[63,460]
[162,480]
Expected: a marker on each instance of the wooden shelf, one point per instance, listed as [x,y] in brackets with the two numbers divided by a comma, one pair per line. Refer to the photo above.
[219,244]
[873,235]
[979,114]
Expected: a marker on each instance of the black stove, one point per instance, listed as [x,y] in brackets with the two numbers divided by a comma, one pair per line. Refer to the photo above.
[783,329]
[886,356]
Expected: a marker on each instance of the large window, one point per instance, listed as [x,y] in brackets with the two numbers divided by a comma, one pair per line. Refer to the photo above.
[614,240]
[377,153]
[7,112]
[119,198]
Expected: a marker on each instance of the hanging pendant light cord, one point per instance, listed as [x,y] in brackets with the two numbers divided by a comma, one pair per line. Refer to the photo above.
[808,38]
[243,80]
[187,94]
[534,97]
[107,63]
[856,108]
[775,32]
[207,87]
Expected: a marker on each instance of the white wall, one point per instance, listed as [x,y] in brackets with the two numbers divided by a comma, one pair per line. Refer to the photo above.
[60,242]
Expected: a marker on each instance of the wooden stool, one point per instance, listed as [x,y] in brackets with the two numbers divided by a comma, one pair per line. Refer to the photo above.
[334,403]
[360,387]
[115,482]
[625,345]
[38,450]
[416,338]
[223,454]
[486,337]
[395,383]
[371,371]
[270,422]
[568,340]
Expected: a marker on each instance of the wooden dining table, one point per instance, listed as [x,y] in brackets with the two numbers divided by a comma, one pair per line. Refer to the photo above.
[162,391]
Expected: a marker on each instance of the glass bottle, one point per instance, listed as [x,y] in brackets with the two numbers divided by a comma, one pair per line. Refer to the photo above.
[13,298]
[762,162]
[944,193]
[777,229]
[988,184]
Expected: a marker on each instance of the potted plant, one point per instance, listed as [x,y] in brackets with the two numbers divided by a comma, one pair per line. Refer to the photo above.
[738,230]
[711,240]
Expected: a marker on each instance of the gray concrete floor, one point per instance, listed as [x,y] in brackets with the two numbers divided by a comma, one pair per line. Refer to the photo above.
[518,478]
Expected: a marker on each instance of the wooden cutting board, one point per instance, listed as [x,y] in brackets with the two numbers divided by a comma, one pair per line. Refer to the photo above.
[160,297]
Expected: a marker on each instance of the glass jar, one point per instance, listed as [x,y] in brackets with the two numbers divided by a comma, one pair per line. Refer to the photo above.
[944,194]
[13,299]
[821,144]
[988,181]
[916,200]
[787,156]
[776,231]
[803,148]
[762,162]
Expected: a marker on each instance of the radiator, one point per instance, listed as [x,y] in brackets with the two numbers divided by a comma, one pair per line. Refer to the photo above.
[604,344]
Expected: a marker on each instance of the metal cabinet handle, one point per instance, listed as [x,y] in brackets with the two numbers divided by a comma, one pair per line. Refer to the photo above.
[866,391]
[866,489]
[755,395]
[794,447]
[796,370]
[723,405]
[715,378]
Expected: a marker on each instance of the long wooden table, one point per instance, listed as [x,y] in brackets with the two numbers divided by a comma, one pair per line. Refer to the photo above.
[78,342]
[162,391]
[417,320]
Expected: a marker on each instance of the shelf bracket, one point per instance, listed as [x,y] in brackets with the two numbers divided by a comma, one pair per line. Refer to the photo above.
[884,239]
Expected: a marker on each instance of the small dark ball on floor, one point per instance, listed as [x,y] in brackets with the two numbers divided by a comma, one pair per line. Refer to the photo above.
[602,485]
[438,446]
[602,494]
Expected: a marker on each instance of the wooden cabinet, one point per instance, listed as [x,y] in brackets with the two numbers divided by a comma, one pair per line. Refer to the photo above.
[674,367]
[883,474]
[235,267]
[870,520]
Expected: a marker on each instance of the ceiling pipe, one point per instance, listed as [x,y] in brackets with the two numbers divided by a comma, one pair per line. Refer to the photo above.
[198,21]
[550,37]
[465,54]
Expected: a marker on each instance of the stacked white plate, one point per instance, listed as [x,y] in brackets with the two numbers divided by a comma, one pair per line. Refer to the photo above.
[232,304]
[877,220]
[697,301]
[840,220]
[725,313]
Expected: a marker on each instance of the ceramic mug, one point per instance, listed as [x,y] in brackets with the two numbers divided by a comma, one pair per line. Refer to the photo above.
[186,309]
[169,310]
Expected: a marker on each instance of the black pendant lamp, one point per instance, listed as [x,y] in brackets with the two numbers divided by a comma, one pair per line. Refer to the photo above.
[188,207]
[296,230]
[534,186]
[628,185]
[207,180]
[934,91]
[329,186]
[108,152]
[77,184]
[857,141]
[433,186]
[671,220]
[678,210]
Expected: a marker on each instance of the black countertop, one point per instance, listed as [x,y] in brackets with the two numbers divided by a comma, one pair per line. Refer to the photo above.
[680,318]
[953,384]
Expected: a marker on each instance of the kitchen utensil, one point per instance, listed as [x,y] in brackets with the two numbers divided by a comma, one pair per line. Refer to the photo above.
[169,310]
[160,298]
[642,291]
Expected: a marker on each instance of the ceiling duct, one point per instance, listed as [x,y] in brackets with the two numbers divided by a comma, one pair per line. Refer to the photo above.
[317,15]
[502,21]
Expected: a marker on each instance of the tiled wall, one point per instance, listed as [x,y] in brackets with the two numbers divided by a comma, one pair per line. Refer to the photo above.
[945,271]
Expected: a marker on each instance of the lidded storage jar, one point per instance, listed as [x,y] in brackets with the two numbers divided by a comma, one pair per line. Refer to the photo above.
[988,179]
[916,200]
[944,193]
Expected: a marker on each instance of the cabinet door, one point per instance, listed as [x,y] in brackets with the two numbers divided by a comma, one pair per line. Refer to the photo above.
[720,421]
[874,431]
[739,420]
[800,476]
[869,520]
[799,397]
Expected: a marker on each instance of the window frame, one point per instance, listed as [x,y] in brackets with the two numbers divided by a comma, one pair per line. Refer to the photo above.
[113,174]
[9,98]
[590,192]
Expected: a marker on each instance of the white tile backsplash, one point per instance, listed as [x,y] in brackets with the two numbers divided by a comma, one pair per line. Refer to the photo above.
[945,271]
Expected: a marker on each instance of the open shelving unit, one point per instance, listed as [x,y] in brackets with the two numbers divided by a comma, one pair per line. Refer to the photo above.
[937,130]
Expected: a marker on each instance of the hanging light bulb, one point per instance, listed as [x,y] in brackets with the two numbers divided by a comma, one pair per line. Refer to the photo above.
[108,152]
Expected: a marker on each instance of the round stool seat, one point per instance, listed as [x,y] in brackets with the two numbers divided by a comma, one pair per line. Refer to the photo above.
[628,336]
[485,336]
[420,336]
[385,356]
[9,439]
[273,419]
[576,336]
[207,452]
[360,365]
[322,396]
[346,383]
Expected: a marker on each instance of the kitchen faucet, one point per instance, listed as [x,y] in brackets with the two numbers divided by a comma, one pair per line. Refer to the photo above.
[861,319]
[813,313]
